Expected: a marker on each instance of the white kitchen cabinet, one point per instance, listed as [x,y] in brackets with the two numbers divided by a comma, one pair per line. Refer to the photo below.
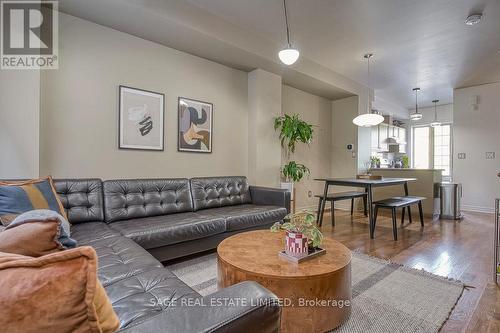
[383,135]
[374,138]
[402,134]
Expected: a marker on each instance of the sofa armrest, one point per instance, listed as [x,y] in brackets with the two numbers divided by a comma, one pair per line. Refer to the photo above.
[270,196]
[243,307]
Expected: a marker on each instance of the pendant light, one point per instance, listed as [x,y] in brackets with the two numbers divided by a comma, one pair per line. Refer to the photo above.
[435,123]
[369,118]
[289,55]
[416,115]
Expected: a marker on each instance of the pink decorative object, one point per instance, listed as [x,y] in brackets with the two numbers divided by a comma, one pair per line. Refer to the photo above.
[296,245]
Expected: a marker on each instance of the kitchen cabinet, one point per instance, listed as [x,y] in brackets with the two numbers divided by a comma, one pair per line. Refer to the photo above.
[383,135]
[379,135]
[402,135]
[374,138]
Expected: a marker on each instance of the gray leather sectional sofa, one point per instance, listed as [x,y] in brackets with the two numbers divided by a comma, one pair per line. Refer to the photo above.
[135,224]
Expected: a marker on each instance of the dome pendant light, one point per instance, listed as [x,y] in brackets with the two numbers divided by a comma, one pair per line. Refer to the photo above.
[416,116]
[435,123]
[369,118]
[289,55]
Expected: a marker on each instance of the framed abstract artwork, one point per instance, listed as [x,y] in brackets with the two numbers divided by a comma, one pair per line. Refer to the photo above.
[195,126]
[141,119]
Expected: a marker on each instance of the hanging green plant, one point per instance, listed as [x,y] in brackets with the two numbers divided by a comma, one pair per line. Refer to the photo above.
[293,130]
[293,171]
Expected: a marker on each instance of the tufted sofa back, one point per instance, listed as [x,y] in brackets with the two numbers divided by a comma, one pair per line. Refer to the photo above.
[135,198]
[81,198]
[212,192]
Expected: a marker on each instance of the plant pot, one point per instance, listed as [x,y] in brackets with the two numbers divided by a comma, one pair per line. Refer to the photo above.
[296,245]
[287,186]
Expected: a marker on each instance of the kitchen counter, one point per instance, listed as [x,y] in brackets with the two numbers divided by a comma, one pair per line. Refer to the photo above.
[405,169]
[427,185]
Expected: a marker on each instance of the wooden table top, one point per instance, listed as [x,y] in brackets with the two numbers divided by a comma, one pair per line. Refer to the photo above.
[257,252]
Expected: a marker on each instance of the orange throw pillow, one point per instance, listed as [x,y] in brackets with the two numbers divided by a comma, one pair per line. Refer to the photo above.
[58,292]
[34,239]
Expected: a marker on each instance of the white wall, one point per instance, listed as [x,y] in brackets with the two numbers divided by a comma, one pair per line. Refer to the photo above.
[19,123]
[476,132]
[79,118]
[318,112]
[344,132]
[264,105]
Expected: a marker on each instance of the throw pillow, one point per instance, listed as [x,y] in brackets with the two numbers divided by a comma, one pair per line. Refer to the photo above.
[21,196]
[36,233]
[58,292]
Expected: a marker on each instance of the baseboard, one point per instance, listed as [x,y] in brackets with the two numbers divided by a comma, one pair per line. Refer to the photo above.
[478,209]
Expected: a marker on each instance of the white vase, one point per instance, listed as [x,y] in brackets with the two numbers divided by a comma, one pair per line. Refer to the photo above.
[288,186]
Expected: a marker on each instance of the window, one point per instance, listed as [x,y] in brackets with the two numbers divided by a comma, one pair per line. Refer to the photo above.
[421,147]
[442,149]
[431,148]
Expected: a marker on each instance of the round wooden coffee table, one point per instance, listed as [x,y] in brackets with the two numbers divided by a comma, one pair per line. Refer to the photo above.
[315,294]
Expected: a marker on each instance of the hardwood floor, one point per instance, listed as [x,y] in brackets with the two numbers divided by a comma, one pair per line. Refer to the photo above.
[460,250]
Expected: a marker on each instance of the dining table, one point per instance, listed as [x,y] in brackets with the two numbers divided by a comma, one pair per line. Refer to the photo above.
[368,185]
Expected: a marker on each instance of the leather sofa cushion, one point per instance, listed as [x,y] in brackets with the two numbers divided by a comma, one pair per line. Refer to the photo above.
[81,199]
[121,258]
[152,232]
[137,198]
[86,233]
[212,192]
[146,295]
[247,216]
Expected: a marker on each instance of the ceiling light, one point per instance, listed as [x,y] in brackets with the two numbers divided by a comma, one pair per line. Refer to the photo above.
[415,115]
[473,19]
[435,123]
[371,117]
[368,119]
[289,55]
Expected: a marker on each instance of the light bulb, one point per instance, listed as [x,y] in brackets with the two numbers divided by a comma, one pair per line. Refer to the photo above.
[368,120]
[415,116]
[289,56]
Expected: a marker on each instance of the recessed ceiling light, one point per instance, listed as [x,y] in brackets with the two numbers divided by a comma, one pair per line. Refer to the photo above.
[473,19]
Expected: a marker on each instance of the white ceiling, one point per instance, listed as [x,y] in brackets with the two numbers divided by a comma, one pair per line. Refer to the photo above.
[421,43]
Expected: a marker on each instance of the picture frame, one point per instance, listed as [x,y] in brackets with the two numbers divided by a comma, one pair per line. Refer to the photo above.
[195,125]
[141,119]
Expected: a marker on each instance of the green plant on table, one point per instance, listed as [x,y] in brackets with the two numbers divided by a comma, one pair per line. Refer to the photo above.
[293,171]
[406,161]
[293,130]
[375,160]
[303,222]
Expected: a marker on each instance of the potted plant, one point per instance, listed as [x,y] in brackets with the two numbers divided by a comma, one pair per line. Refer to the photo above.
[292,131]
[293,172]
[405,161]
[302,235]
[375,162]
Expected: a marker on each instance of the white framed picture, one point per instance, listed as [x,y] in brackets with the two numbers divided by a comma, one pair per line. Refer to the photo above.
[141,119]
[195,126]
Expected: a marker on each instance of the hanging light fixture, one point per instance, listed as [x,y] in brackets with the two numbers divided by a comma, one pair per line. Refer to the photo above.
[289,55]
[435,123]
[415,115]
[369,118]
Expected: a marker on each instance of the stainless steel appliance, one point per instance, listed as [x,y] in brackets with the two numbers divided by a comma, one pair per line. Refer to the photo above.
[451,198]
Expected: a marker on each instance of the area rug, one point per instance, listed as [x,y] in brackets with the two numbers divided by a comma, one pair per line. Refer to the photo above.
[387,297]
